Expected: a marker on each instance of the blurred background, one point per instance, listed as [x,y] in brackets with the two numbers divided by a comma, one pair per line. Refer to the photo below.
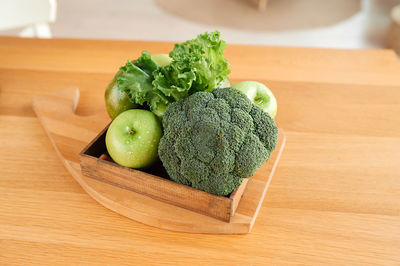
[350,24]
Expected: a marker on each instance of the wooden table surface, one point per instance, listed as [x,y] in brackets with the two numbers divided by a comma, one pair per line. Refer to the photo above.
[334,199]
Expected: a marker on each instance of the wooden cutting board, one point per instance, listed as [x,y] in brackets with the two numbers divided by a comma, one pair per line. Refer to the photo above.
[70,133]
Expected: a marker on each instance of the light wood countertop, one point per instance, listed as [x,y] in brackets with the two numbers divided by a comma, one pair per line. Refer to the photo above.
[334,199]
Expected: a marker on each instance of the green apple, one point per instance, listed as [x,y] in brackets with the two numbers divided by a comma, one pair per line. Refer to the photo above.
[132,138]
[259,94]
[117,101]
[161,59]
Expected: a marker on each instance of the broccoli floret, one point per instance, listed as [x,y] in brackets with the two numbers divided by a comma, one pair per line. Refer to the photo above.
[213,140]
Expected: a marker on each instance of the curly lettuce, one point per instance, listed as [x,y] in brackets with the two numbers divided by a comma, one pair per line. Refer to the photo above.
[136,81]
[197,65]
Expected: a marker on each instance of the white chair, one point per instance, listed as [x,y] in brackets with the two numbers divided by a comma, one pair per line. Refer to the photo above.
[32,15]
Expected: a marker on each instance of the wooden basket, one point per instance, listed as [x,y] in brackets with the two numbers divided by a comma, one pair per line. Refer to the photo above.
[155,183]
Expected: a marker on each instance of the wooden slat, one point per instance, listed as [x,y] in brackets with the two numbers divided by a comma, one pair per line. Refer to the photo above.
[378,67]
[154,186]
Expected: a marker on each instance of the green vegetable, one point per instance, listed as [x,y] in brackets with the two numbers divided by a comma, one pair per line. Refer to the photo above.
[117,100]
[213,140]
[161,59]
[195,65]
[136,79]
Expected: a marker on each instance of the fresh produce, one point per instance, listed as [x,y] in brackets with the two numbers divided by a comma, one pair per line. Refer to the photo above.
[117,100]
[132,138]
[161,60]
[215,134]
[213,140]
[197,65]
[153,82]
[260,95]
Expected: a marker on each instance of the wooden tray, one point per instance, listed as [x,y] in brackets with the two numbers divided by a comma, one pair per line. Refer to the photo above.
[155,183]
[70,133]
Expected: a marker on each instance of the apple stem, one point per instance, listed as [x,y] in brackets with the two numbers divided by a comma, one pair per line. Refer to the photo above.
[132,131]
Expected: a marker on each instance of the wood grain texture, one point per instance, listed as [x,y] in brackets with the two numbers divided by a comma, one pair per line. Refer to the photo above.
[334,199]
[140,199]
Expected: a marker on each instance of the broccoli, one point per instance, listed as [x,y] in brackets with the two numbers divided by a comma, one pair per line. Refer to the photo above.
[213,140]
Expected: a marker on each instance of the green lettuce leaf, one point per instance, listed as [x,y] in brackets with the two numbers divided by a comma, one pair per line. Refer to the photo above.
[197,65]
[137,83]
[146,63]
